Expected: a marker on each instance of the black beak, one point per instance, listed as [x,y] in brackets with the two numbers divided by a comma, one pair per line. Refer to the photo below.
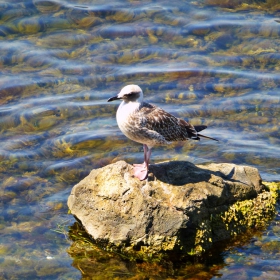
[113,98]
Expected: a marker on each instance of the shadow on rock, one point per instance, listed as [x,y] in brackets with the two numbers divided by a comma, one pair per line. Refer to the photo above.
[178,173]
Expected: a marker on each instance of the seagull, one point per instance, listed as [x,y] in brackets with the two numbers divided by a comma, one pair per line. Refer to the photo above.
[150,125]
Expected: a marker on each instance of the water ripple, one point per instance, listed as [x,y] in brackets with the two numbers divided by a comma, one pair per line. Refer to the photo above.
[61,60]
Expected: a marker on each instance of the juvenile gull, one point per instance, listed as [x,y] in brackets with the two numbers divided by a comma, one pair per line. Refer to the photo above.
[150,125]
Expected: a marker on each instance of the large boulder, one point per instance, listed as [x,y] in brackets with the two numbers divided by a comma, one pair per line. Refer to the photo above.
[181,206]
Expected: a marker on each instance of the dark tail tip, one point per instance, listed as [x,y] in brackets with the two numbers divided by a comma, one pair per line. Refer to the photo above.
[207,137]
[199,127]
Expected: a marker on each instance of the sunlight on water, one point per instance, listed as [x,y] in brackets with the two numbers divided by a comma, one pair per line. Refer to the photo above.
[211,62]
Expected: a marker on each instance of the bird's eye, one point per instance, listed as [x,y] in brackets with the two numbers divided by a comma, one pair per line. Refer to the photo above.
[129,94]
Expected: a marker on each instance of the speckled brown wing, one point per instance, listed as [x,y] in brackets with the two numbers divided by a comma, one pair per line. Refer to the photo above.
[170,127]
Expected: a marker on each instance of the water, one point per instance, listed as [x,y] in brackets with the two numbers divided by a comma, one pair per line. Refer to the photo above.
[210,62]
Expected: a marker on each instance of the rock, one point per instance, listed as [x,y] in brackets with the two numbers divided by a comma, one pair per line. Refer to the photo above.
[181,206]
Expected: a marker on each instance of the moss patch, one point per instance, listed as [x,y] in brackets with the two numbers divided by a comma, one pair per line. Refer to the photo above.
[237,218]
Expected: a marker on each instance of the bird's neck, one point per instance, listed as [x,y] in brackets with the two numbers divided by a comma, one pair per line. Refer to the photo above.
[131,106]
[126,109]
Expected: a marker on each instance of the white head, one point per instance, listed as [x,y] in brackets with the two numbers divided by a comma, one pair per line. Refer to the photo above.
[130,93]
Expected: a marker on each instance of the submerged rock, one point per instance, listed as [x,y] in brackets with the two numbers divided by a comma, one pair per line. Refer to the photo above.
[181,206]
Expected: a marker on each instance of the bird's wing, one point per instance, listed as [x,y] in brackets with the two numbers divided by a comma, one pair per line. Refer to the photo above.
[167,125]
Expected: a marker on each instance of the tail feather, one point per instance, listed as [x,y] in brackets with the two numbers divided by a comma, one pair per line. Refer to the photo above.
[207,137]
[199,127]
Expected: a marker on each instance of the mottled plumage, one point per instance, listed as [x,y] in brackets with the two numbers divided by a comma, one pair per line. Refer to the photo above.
[150,125]
[168,126]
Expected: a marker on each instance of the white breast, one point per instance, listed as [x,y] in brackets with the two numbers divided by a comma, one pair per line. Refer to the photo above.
[124,113]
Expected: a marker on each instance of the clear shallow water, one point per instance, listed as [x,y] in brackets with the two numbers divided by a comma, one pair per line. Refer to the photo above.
[206,61]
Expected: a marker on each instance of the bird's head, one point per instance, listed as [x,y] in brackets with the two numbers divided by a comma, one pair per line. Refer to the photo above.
[130,93]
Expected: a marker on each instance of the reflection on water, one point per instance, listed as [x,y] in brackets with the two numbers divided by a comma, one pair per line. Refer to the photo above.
[211,62]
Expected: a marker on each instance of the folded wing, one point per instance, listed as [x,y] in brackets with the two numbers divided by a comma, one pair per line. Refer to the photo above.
[170,127]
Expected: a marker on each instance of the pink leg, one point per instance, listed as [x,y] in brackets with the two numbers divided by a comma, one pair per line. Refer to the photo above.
[141,170]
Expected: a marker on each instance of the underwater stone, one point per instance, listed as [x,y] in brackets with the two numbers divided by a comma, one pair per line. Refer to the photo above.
[181,206]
